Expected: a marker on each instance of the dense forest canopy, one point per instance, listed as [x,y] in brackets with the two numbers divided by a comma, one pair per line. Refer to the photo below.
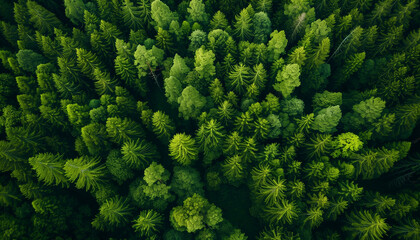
[209,119]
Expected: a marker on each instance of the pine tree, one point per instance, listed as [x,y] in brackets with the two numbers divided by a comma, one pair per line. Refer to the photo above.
[122,130]
[320,54]
[148,223]
[239,78]
[219,21]
[183,149]
[138,154]
[163,126]
[164,40]
[87,62]
[366,225]
[410,229]
[131,15]
[116,211]
[282,211]
[243,25]
[298,56]
[233,169]
[49,168]
[42,19]
[87,172]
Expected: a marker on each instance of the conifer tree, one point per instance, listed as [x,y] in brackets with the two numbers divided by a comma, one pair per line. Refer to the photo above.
[183,149]
[243,25]
[366,225]
[163,126]
[49,168]
[138,154]
[148,223]
[86,172]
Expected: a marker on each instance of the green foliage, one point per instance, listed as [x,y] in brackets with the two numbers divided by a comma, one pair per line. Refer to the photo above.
[42,19]
[29,60]
[243,25]
[197,12]
[186,182]
[119,169]
[195,214]
[373,163]
[282,212]
[276,45]
[365,225]
[123,130]
[49,168]
[148,223]
[370,109]
[135,100]
[327,119]
[287,80]
[137,154]
[163,126]
[183,149]
[262,27]
[346,144]
[87,172]
[161,14]
[115,211]
[190,103]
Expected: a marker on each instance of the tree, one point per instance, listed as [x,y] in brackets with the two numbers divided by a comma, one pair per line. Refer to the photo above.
[137,154]
[87,62]
[219,21]
[217,92]
[148,223]
[186,182]
[326,99]
[282,211]
[123,130]
[124,68]
[233,169]
[49,168]
[408,230]
[327,119]
[41,18]
[272,191]
[198,39]
[163,126]
[183,149]
[190,103]
[370,109]
[373,163]
[276,45]
[346,144]
[147,59]
[179,69]
[197,12]
[210,136]
[87,172]
[204,63]
[195,214]
[115,211]
[239,78]
[173,89]
[262,27]
[29,60]
[164,40]
[287,79]
[119,169]
[243,25]
[366,225]
[162,15]
[132,15]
